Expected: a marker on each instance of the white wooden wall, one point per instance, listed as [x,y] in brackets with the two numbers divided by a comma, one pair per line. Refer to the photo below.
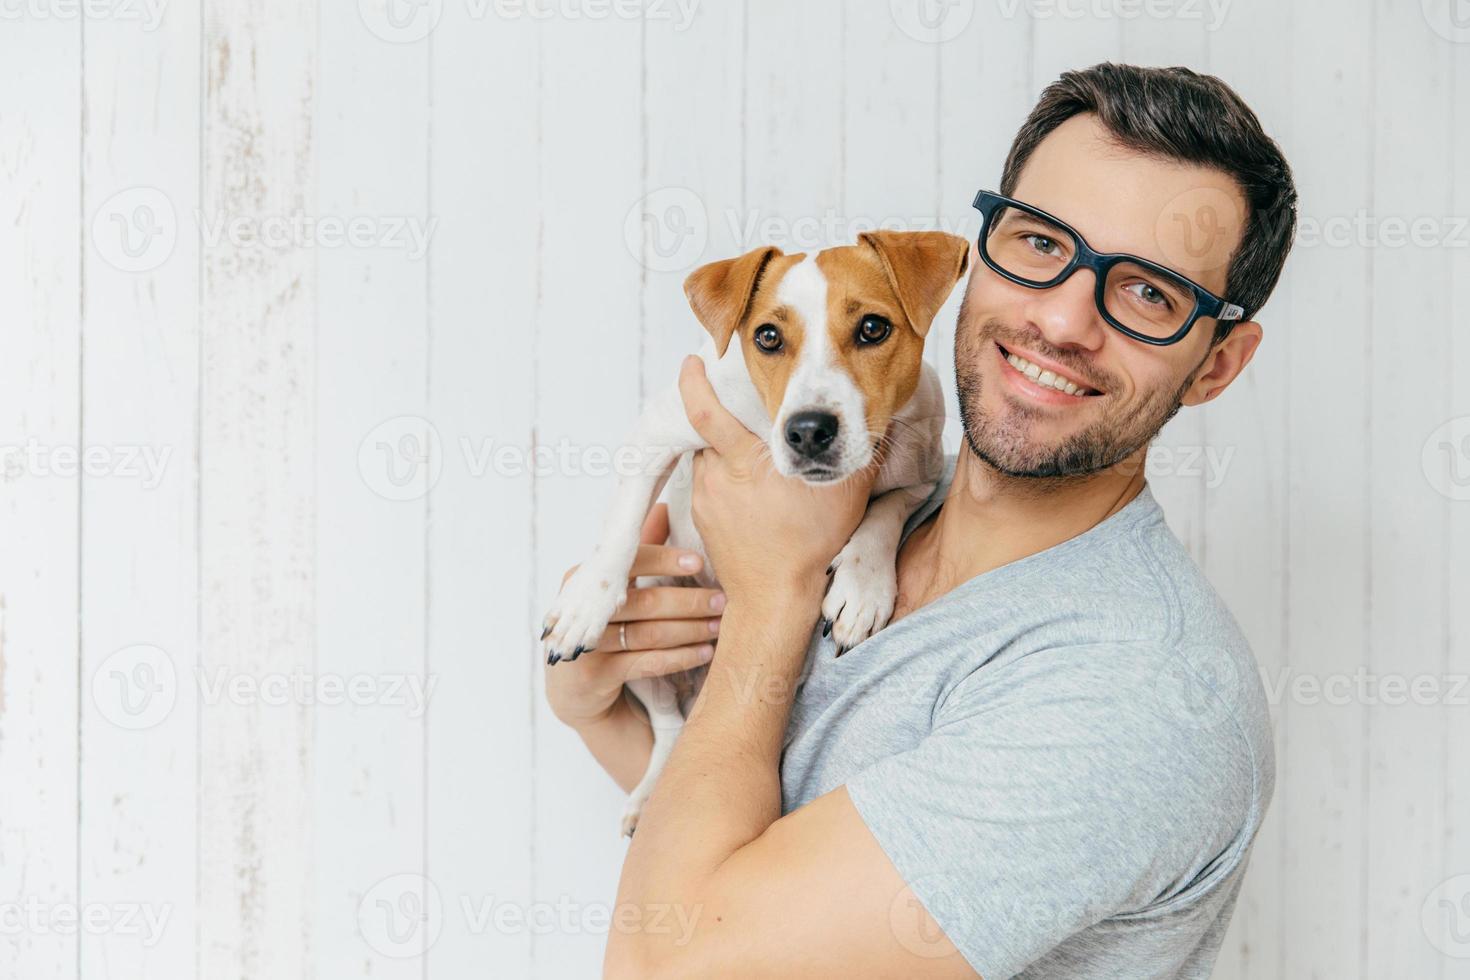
[313,456]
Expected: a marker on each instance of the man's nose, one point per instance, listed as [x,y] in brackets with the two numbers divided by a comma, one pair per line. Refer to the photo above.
[1067,314]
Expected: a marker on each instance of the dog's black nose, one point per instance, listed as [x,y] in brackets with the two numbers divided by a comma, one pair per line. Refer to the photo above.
[810,433]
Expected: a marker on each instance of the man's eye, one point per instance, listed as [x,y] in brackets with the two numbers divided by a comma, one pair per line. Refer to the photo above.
[767,338]
[1042,244]
[873,329]
[1148,294]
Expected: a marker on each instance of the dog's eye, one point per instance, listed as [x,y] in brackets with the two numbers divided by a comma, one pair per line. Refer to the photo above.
[767,338]
[873,329]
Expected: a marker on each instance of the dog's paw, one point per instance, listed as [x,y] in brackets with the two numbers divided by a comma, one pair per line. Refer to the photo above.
[630,818]
[859,599]
[581,612]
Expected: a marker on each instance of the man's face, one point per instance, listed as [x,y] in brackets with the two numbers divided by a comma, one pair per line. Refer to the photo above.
[1179,215]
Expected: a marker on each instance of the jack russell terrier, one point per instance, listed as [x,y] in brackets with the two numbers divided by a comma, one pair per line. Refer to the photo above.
[829,370]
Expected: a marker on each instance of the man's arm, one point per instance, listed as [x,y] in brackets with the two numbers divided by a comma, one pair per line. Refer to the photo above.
[716,882]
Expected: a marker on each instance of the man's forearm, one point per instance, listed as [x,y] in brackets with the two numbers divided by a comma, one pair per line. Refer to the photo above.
[721,788]
[621,742]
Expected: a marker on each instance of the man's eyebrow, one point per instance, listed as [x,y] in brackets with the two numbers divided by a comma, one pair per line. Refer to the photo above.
[1015,214]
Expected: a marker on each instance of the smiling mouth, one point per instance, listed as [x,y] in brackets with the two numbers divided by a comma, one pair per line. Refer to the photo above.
[1045,378]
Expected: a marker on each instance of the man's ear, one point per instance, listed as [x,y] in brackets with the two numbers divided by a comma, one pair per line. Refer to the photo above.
[720,292]
[1224,362]
[922,267]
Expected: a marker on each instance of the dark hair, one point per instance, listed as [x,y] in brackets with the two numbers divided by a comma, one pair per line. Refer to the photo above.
[1181,115]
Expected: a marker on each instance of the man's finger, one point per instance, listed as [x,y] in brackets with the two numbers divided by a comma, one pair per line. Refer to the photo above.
[656,525]
[670,602]
[656,663]
[660,559]
[710,419]
[657,634]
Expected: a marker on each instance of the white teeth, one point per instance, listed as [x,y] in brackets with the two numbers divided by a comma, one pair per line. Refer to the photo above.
[1048,378]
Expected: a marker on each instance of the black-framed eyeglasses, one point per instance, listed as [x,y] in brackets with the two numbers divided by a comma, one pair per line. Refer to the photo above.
[1140,298]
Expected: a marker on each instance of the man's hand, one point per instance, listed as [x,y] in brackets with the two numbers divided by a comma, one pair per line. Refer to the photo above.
[768,536]
[667,629]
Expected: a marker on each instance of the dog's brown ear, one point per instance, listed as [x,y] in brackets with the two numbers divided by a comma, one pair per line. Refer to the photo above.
[922,267]
[720,292]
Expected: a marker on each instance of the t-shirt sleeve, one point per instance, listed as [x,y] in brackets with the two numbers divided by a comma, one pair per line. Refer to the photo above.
[1069,787]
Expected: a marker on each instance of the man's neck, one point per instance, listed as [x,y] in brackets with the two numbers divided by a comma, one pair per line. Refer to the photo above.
[989,519]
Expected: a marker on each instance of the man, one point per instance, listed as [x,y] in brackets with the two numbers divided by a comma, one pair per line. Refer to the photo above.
[1053,761]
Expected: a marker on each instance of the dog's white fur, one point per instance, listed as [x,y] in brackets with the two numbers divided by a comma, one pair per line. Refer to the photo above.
[863,588]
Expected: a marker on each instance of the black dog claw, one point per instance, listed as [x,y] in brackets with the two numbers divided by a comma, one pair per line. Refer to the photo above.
[826,627]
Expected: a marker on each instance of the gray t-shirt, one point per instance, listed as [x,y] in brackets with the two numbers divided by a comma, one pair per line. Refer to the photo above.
[1066,758]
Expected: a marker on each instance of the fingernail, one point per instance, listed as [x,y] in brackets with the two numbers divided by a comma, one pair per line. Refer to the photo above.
[689,562]
[714,625]
[717,601]
[705,653]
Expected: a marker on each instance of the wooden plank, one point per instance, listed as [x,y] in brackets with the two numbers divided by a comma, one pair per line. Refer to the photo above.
[257,493]
[376,457]
[1325,329]
[40,258]
[1456,653]
[795,116]
[140,534]
[586,363]
[1407,356]
[692,210]
[483,280]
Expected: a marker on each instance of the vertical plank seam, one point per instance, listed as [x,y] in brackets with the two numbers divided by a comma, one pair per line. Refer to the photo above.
[81,426]
[202,83]
[1366,762]
[643,190]
[428,530]
[535,543]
